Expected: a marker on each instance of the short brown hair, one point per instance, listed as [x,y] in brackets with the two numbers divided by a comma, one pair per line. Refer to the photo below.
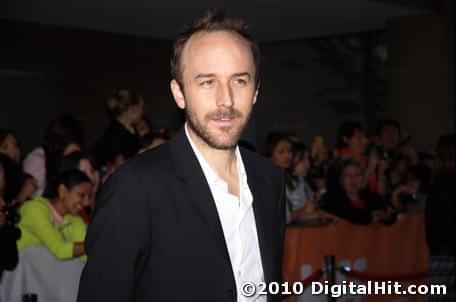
[213,21]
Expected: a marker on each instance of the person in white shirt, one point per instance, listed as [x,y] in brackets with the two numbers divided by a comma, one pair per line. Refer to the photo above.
[197,217]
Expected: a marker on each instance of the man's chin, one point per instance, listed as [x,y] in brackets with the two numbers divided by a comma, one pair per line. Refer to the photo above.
[222,144]
[219,137]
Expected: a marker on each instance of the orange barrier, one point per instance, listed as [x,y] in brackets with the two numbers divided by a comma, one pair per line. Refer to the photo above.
[397,249]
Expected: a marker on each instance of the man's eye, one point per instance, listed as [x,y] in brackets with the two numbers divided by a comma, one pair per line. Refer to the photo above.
[240,82]
[207,83]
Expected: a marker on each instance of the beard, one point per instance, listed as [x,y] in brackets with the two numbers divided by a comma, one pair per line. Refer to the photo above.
[226,137]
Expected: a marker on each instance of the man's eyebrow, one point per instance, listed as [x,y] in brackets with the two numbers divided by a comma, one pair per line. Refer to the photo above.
[242,74]
[211,75]
[204,75]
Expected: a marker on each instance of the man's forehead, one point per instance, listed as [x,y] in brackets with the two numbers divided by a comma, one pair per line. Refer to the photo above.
[218,53]
[204,44]
[213,36]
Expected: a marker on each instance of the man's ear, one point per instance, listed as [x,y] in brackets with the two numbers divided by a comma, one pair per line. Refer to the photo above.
[256,93]
[178,94]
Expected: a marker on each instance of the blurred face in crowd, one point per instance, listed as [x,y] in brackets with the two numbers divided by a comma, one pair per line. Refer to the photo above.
[352,179]
[302,166]
[282,154]
[142,128]
[357,142]
[218,87]
[135,113]
[70,148]
[74,199]
[86,167]
[10,148]
[389,137]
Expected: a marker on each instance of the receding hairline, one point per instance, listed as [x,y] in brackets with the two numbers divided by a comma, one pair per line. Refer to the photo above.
[216,32]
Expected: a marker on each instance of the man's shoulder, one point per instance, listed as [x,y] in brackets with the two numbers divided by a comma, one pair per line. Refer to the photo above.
[148,163]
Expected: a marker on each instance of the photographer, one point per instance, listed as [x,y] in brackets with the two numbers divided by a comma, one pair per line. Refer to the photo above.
[352,142]
[8,217]
[391,142]
[412,194]
[8,236]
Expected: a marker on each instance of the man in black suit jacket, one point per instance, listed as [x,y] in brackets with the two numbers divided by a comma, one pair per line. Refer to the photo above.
[162,228]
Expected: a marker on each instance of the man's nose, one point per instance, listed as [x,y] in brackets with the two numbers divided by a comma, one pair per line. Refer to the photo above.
[225,96]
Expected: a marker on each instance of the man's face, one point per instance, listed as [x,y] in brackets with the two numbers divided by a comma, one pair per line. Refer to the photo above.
[219,87]
[357,142]
[389,137]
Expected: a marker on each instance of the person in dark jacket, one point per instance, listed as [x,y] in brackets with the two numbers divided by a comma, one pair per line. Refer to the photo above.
[9,188]
[8,236]
[120,141]
[197,217]
[347,196]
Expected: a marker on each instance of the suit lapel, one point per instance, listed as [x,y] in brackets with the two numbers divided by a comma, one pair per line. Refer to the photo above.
[188,169]
[262,207]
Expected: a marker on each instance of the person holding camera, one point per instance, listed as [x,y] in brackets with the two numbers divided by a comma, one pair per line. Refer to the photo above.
[8,236]
[8,217]
[352,142]
[391,142]
[411,195]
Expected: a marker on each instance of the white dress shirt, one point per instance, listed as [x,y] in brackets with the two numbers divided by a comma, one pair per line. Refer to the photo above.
[238,224]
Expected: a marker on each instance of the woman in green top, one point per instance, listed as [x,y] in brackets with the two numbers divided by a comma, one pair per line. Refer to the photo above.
[53,221]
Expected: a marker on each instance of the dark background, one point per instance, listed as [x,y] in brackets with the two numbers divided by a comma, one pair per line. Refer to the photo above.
[320,65]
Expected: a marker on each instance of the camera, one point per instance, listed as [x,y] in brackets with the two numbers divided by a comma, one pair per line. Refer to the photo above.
[382,153]
[11,214]
[407,198]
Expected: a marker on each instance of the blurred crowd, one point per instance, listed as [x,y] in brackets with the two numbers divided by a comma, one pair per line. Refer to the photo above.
[363,178]
[47,196]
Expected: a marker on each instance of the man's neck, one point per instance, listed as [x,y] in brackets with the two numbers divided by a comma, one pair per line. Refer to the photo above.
[223,162]
[220,160]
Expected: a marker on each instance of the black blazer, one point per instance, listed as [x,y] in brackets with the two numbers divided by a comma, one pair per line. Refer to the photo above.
[156,234]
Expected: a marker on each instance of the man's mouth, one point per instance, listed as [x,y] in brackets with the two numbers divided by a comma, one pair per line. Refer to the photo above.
[224,121]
